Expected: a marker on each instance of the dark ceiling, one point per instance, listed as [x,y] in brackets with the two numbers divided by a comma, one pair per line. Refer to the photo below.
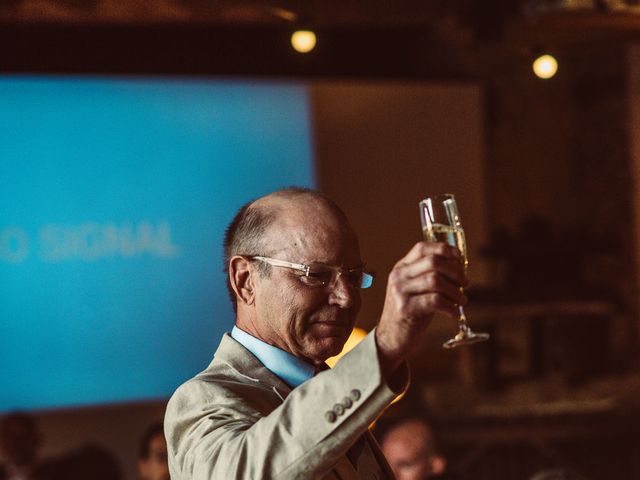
[441,39]
[478,14]
[326,13]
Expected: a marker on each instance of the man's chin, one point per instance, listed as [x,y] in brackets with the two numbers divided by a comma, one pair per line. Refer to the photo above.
[329,347]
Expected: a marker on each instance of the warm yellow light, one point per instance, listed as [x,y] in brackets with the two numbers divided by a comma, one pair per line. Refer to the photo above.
[303,41]
[545,66]
[355,338]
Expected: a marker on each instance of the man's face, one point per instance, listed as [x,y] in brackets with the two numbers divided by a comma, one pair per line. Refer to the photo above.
[311,322]
[155,466]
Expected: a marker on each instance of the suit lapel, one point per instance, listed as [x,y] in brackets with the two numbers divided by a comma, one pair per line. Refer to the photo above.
[235,355]
[345,470]
[380,458]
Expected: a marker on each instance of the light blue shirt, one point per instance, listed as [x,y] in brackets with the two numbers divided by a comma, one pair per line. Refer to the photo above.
[286,366]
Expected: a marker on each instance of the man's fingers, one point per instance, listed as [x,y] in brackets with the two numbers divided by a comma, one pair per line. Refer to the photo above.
[421,249]
[433,283]
[452,268]
[422,306]
[427,280]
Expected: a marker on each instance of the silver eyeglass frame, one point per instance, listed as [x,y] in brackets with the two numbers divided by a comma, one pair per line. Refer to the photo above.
[306,269]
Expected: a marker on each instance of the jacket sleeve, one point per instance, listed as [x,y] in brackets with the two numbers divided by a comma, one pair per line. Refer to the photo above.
[212,434]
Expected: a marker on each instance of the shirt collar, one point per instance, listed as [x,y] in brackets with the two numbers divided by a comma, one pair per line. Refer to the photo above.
[286,366]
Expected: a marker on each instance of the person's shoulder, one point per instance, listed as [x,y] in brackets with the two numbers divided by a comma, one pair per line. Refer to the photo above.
[215,372]
[215,392]
[204,383]
[219,381]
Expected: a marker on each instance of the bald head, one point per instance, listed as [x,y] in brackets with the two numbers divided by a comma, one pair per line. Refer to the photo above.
[254,229]
[296,197]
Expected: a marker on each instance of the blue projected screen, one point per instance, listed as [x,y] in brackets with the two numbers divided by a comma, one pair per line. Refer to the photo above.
[114,196]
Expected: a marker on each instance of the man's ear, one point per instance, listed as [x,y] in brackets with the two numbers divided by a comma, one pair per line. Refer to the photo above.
[241,274]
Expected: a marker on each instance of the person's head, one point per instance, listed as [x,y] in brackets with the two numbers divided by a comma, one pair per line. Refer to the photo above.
[152,457]
[282,306]
[19,439]
[410,447]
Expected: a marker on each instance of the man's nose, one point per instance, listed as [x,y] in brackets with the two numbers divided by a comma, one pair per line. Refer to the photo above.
[342,293]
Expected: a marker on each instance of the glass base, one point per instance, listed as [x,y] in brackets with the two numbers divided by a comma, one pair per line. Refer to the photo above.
[465,337]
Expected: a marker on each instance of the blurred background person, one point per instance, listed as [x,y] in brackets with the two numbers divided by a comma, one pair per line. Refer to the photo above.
[152,459]
[410,445]
[20,442]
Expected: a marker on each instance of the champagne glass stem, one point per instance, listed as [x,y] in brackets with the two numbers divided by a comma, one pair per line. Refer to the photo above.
[462,320]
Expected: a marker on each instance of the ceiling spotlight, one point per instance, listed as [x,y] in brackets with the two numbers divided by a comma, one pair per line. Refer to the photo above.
[303,41]
[545,66]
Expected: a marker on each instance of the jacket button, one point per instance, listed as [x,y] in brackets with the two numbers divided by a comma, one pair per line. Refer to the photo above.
[346,401]
[338,408]
[355,394]
[330,416]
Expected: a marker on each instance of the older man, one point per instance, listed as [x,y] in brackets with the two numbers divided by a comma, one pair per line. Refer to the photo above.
[267,407]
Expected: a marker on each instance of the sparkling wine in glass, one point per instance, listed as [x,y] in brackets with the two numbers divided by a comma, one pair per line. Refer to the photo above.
[441,223]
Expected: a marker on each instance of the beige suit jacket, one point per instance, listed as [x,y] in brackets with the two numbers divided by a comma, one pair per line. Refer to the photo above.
[237,420]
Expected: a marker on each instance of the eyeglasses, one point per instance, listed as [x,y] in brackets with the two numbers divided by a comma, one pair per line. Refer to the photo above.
[321,275]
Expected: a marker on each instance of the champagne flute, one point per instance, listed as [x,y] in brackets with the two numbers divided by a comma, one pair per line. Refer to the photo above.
[441,223]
